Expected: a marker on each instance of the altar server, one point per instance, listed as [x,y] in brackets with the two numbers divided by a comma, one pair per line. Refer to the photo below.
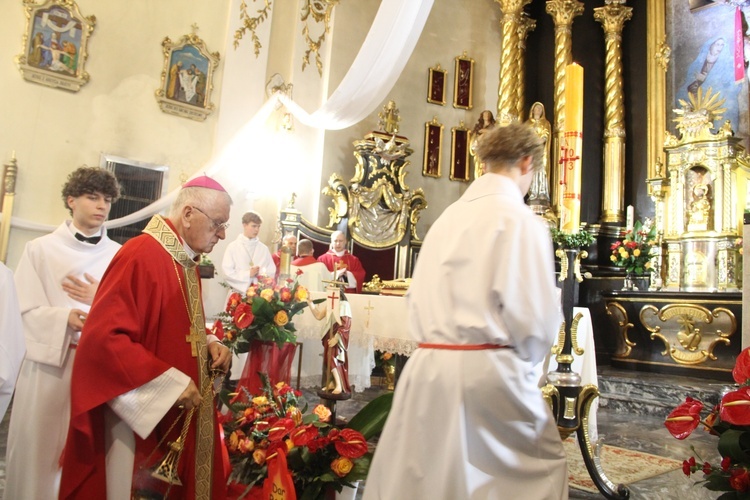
[145,361]
[247,257]
[56,278]
[468,420]
[12,343]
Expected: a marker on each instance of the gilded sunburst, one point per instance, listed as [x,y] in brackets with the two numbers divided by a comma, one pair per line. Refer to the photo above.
[698,114]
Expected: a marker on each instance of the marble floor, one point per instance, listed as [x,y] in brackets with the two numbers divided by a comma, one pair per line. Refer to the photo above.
[644,432]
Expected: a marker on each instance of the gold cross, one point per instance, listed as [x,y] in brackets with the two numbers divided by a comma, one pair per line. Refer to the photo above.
[193,338]
[368,309]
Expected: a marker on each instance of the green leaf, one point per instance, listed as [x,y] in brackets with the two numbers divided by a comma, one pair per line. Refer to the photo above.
[736,444]
[370,420]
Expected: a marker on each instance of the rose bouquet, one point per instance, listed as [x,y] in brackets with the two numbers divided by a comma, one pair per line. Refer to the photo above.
[264,313]
[274,447]
[632,252]
[730,421]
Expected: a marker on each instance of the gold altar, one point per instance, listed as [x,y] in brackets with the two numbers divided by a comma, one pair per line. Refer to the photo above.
[700,202]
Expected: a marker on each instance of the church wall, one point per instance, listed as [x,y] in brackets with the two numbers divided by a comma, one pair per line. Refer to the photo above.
[54,131]
[451,28]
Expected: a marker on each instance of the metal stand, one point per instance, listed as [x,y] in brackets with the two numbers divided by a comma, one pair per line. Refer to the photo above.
[570,402]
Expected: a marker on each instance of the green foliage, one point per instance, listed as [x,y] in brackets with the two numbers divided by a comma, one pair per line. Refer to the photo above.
[579,240]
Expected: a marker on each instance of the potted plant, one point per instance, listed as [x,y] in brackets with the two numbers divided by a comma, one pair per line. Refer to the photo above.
[206,268]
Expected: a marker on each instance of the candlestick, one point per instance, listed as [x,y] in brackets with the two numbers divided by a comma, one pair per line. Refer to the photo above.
[630,219]
[570,151]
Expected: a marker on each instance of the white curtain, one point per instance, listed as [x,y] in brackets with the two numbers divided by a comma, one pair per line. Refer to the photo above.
[395,31]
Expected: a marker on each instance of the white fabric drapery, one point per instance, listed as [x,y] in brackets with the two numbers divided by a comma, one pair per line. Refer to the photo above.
[390,42]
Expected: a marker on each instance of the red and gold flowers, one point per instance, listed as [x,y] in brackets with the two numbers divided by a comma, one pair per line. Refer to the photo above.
[632,252]
[730,420]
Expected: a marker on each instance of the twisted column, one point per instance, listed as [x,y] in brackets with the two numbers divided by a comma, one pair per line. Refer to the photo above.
[563,12]
[613,17]
[511,58]
[524,27]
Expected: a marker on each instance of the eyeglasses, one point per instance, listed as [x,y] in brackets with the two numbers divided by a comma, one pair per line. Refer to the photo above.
[215,225]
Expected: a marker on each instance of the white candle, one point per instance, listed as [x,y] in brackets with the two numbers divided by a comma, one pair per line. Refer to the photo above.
[630,218]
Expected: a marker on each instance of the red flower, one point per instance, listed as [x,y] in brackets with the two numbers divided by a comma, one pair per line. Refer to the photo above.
[706,468]
[285,294]
[615,245]
[740,480]
[684,419]
[725,463]
[351,444]
[317,444]
[243,315]
[741,370]
[735,407]
[303,435]
[280,429]
[232,302]
[299,272]
[631,244]
[686,467]
[218,330]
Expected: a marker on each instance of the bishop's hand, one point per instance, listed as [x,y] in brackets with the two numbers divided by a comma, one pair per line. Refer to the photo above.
[190,397]
[221,356]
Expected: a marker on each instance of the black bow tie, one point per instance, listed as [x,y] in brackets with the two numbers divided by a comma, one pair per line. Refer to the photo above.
[88,239]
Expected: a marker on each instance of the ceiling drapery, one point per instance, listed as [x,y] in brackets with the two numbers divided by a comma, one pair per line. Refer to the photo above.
[390,41]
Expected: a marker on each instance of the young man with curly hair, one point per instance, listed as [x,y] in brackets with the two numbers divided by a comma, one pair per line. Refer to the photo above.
[57,277]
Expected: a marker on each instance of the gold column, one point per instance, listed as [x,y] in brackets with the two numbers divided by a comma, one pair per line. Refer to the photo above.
[563,12]
[657,60]
[510,59]
[613,16]
[524,26]
[9,193]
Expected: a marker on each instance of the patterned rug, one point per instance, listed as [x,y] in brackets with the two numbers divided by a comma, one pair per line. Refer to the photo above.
[620,465]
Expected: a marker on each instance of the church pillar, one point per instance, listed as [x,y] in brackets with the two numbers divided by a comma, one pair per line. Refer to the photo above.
[515,28]
[525,25]
[612,17]
[563,12]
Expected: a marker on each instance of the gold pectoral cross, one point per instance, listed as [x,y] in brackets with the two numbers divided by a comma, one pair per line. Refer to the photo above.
[193,338]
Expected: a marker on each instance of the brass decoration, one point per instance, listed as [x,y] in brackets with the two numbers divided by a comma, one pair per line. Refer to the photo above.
[577,266]
[7,196]
[250,24]
[613,17]
[433,148]
[55,44]
[557,350]
[657,60]
[690,332]
[515,27]
[389,118]
[618,312]
[560,254]
[187,60]
[658,189]
[320,11]
[378,203]
[563,12]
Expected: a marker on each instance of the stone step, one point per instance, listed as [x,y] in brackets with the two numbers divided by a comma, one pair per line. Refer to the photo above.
[655,394]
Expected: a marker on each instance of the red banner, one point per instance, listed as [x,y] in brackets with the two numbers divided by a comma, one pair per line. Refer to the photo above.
[739,47]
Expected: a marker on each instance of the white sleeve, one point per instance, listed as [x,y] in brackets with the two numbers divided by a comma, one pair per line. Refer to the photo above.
[144,407]
[236,275]
[12,343]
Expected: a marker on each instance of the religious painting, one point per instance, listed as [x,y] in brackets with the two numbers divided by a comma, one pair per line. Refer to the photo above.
[55,44]
[707,46]
[433,138]
[463,95]
[187,78]
[436,85]
[460,139]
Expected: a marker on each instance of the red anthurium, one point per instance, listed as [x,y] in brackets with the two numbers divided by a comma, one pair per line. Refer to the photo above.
[740,480]
[725,463]
[218,330]
[303,435]
[735,407]
[741,370]
[280,429]
[351,444]
[243,315]
[232,301]
[684,419]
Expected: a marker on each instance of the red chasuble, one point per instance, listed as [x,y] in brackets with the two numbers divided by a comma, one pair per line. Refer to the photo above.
[353,264]
[136,330]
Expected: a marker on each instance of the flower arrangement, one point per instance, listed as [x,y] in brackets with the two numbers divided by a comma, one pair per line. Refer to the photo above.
[274,446]
[632,252]
[579,240]
[264,313]
[730,421]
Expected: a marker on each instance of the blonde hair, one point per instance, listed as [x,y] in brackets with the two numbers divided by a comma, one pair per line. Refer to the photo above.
[501,148]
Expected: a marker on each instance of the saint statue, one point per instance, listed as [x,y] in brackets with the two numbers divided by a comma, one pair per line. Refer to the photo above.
[485,122]
[539,190]
[389,118]
[335,341]
[700,206]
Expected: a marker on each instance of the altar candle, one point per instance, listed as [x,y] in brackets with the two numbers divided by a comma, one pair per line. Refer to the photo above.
[571,150]
[629,221]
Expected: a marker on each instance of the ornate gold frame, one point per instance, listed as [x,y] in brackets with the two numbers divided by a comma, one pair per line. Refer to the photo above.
[463,83]
[460,152]
[190,49]
[55,44]
[433,148]
[436,80]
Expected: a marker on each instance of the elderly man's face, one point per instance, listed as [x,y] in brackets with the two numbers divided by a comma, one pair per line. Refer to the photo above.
[206,227]
[291,242]
[339,243]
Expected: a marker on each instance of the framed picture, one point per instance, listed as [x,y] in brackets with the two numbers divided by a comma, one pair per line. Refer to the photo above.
[55,44]
[463,96]
[436,85]
[433,139]
[187,78]
[460,140]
